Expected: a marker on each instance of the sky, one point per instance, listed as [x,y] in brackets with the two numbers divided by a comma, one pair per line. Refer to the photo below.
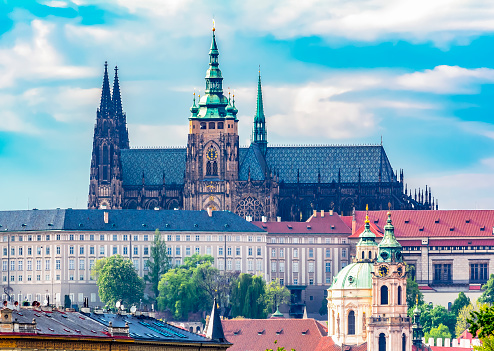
[416,74]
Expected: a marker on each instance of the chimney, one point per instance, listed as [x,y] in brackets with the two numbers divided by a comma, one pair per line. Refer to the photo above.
[248,218]
[354,225]
[322,213]
[105,214]
[278,219]
[210,212]
[330,212]
[314,213]
[264,219]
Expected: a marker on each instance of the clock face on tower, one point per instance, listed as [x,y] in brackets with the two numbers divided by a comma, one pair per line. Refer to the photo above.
[383,271]
[211,154]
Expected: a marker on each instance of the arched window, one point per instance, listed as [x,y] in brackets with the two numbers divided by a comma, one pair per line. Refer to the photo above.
[215,168]
[351,323]
[382,342]
[363,254]
[208,169]
[212,125]
[384,295]
[370,255]
[403,342]
[333,324]
[106,154]
[399,295]
[203,125]
[220,125]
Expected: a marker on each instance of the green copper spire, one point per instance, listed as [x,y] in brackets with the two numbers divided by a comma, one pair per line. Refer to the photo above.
[389,247]
[260,133]
[367,238]
[213,103]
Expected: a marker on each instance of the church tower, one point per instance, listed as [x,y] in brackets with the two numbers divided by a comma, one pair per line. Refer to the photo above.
[110,136]
[389,328]
[213,143]
[260,133]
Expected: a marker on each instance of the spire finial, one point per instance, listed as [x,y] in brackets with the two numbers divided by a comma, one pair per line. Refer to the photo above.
[214,25]
[367,214]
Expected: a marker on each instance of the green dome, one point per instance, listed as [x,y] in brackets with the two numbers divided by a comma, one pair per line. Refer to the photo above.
[354,276]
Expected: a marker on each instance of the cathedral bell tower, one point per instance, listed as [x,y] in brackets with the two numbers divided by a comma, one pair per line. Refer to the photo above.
[212,146]
[110,136]
[389,327]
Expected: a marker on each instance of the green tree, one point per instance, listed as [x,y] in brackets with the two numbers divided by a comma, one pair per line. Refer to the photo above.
[188,288]
[117,279]
[432,316]
[487,344]
[488,294]
[275,295]
[461,320]
[441,331]
[413,291]
[461,301]
[482,322]
[324,307]
[248,297]
[158,263]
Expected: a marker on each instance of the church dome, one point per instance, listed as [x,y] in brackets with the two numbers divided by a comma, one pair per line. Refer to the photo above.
[354,276]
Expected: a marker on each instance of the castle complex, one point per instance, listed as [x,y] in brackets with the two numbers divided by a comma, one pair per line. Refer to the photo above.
[213,171]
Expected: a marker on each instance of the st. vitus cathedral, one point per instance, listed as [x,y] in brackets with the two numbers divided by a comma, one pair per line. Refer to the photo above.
[214,171]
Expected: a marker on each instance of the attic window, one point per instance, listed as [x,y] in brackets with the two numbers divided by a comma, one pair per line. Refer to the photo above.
[261,332]
[237,332]
[226,225]
[144,224]
[113,225]
[451,229]
[196,225]
[279,332]
[376,220]
[264,226]
[467,221]
[289,226]
[80,224]
[309,227]
[50,224]
[482,228]
[469,243]
[407,220]
[167,225]
[305,332]
[24,224]
[332,226]
[421,229]
[51,329]
[437,220]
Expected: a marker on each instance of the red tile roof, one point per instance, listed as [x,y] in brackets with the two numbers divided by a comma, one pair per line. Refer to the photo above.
[314,225]
[260,334]
[441,223]
[373,228]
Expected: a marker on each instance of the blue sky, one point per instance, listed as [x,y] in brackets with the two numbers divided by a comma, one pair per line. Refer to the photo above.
[418,73]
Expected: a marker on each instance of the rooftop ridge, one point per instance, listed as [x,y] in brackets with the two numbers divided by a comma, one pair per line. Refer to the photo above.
[321,145]
[156,147]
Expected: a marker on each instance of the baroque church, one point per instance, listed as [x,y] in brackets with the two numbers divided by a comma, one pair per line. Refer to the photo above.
[214,171]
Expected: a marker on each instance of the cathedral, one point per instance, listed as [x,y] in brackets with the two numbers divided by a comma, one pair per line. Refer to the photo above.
[213,171]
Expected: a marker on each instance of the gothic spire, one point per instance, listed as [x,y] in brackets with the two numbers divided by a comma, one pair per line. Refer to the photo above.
[215,329]
[116,98]
[106,103]
[259,134]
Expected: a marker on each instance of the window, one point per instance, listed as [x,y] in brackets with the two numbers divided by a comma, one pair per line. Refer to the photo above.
[282,267]
[250,251]
[328,253]
[295,267]
[384,295]
[81,250]
[273,266]
[102,237]
[229,251]
[229,265]
[81,237]
[71,237]
[273,252]
[136,264]
[136,251]
[71,264]
[71,250]
[478,272]
[311,267]
[282,281]
[282,253]
[20,251]
[38,250]
[311,253]
[198,250]
[125,237]
[91,237]
[259,251]
[399,295]
[12,251]
[82,264]
[187,251]
[47,265]
[19,278]
[91,250]
[258,239]
[57,264]
[177,251]
[295,240]
[259,265]
[295,281]
[177,238]
[197,237]
[20,265]
[249,265]
[220,251]
[91,264]
[38,237]
[115,250]
[12,265]
[220,125]
[101,250]
[136,238]
[29,265]
[237,251]
[208,250]
[58,250]
[328,280]
[343,253]
[273,240]
[328,267]
[311,240]
[114,237]
[221,265]
[81,276]
[125,250]
[442,273]
[328,241]
[295,253]
[238,265]
[208,237]
[351,323]
[146,250]
[4,265]
[249,239]
[311,281]
[146,237]
[5,252]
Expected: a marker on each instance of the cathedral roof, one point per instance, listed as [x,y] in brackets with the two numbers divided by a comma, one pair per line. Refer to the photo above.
[123,220]
[354,276]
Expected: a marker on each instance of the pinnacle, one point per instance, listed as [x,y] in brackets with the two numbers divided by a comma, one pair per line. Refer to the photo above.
[106,101]
[116,98]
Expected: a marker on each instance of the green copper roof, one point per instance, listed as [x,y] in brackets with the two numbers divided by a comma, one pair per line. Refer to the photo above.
[278,314]
[213,103]
[367,238]
[354,276]
[259,134]
[389,247]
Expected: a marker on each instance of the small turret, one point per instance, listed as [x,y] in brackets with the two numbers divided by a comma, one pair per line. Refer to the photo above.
[194,109]
[389,247]
[260,134]
[215,329]
[367,246]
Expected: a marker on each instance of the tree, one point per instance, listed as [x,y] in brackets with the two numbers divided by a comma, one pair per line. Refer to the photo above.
[158,263]
[324,307]
[482,322]
[441,331]
[487,344]
[117,280]
[275,295]
[413,291]
[432,317]
[188,288]
[461,301]
[248,297]
[461,320]
[488,294]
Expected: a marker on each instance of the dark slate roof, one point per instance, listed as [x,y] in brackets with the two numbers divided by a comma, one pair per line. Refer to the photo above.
[124,220]
[67,324]
[307,160]
[154,163]
[146,328]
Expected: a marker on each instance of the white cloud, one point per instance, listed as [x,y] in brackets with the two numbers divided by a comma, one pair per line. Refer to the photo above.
[36,59]
[446,80]
[56,3]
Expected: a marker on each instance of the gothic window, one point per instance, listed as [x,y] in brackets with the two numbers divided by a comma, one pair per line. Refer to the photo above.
[384,295]
[215,168]
[208,169]
[250,206]
[211,125]
[351,323]
[106,154]
[203,125]
[382,342]
[399,295]
[220,125]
